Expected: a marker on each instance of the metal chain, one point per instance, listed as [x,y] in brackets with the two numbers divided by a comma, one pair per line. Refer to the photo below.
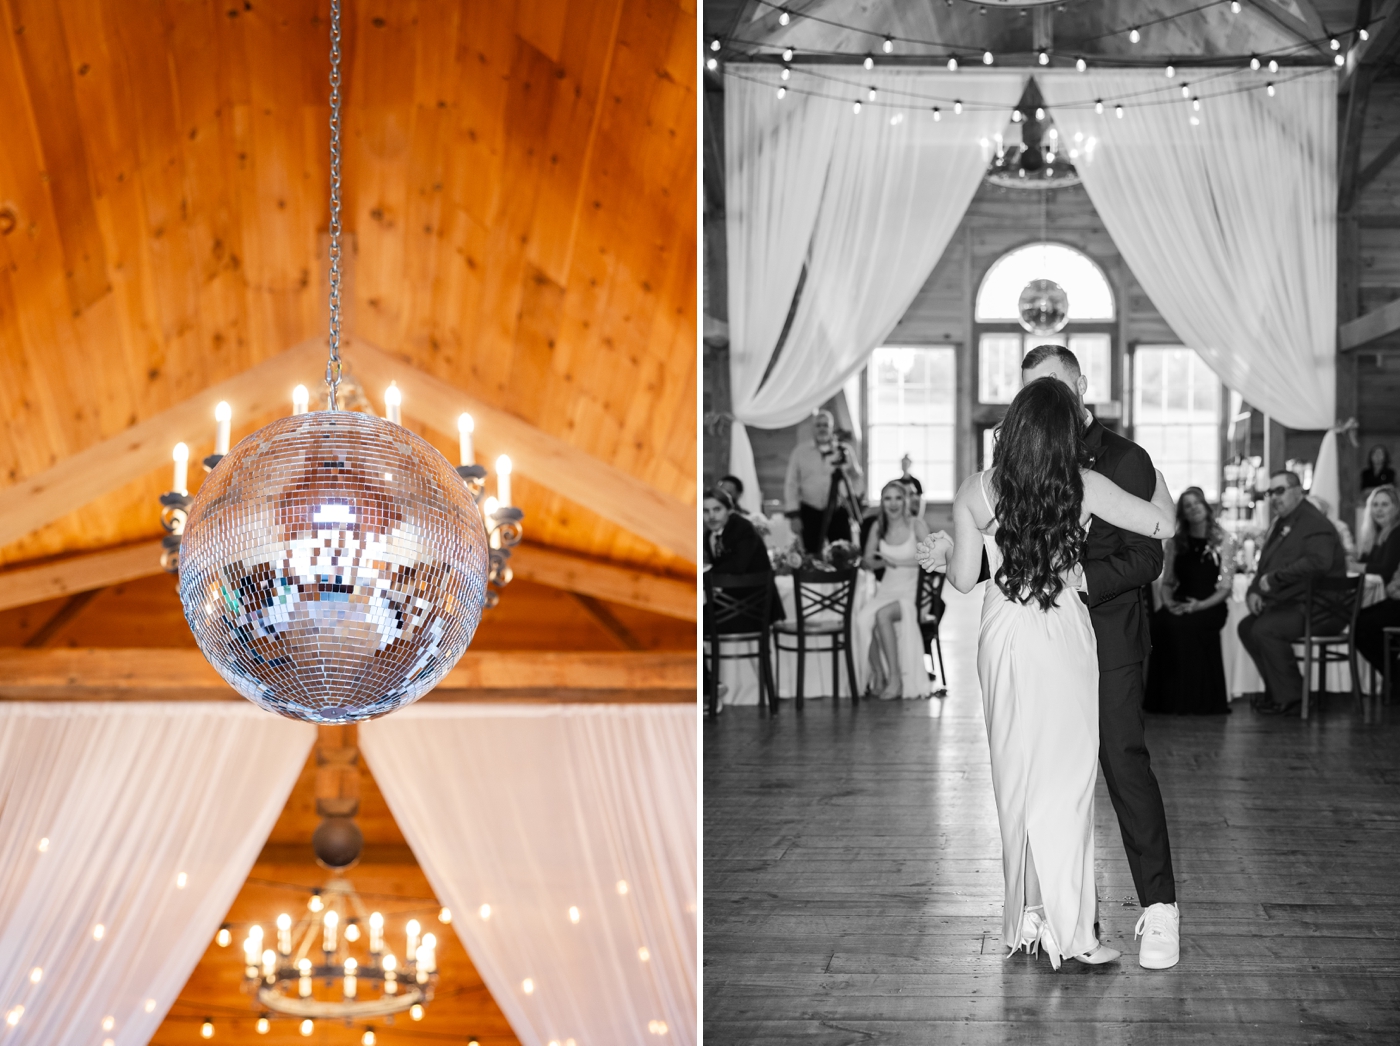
[333,364]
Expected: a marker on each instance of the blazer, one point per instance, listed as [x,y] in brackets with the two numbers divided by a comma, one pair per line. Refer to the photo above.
[1119,564]
[1299,547]
[742,551]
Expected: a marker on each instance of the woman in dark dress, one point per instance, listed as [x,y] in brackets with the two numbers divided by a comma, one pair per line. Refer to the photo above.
[1378,471]
[733,546]
[1380,554]
[1185,672]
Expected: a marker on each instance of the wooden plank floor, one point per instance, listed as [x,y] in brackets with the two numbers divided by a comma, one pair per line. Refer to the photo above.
[853,887]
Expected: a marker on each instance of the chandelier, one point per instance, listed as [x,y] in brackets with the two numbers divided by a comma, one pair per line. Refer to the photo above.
[334,566]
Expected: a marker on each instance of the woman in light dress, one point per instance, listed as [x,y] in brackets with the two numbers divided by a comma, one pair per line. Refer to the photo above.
[887,627]
[1037,658]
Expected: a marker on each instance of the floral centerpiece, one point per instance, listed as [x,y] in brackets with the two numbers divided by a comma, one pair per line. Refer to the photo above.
[836,555]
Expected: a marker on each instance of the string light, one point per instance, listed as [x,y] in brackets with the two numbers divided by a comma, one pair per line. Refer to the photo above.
[782,92]
[1118,111]
[1171,71]
[711,64]
[869,62]
[264,1025]
[714,44]
[1186,90]
[1270,89]
[1335,44]
[787,54]
[957,107]
[783,17]
[206,1030]
[937,116]
[986,57]
[1134,35]
[787,73]
[1196,104]
[1039,113]
[1363,34]
[952,65]
[888,45]
[1234,7]
[307,1027]
[1081,65]
[1254,62]
[1098,106]
[1015,115]
[1273,66]
[1340,60]
[1043,58]
[872,94]
[856,108]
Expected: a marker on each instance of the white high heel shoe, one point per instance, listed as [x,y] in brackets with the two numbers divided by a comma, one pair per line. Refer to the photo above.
[1032,924]
[1095,956]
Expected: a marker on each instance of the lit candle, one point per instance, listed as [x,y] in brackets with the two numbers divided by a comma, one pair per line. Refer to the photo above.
[350,967]
[284,934]
[412,930]
[503,480]
[427,953]
[465,428]
[301,400]
[376,932]
[269,959]
[304,981]
[393,398]
[223,414]
[329,923]
[182,464]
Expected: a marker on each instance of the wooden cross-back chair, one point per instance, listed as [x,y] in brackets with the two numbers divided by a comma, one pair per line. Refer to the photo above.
[823,600]
[929,605]
[746,598]
[1328,600]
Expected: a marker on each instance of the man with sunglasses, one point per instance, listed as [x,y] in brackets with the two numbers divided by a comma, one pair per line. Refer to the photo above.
[1302,544]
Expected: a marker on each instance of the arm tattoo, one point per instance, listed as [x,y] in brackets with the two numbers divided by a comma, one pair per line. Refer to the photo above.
[1155,528]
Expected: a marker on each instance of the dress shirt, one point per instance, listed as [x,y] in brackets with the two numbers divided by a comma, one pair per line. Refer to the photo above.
[809,474]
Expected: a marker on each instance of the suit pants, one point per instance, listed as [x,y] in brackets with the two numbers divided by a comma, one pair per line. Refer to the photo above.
[839,528]
[1269,638]
[1127,770]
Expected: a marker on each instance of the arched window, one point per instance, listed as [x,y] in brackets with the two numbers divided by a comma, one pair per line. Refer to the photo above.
[1090,296]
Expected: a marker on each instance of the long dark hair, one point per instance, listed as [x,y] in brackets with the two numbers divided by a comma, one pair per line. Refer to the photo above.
[1183,526]
[1040,492]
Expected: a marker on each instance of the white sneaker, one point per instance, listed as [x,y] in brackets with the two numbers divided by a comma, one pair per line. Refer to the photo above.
[1160,930]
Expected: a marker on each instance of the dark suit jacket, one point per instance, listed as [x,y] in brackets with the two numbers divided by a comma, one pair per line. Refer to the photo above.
[1298,548]
[742,551]
[1118,564]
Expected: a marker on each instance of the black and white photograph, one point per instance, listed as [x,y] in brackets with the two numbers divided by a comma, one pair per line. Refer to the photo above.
[1051,567]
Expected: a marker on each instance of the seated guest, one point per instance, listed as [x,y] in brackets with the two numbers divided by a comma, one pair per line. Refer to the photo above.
[1186,673]
[1343,531]
[733,546]
[1302,545]
[1380,545]
[734,487]
[886,628]
[1378,471]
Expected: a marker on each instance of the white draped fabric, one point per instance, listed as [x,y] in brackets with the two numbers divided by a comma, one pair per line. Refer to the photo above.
[1229,224]
[866,201]
[102,808]
[1327,476]
[540,810]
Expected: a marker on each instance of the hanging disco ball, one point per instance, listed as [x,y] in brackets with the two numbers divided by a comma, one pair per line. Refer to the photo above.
[1043,307]
[333,567]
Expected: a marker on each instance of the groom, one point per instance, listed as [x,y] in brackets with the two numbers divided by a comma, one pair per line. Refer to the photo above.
[1116,567]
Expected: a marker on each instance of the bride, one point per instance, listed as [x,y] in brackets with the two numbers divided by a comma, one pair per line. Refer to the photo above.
[1037,658]
[888,625]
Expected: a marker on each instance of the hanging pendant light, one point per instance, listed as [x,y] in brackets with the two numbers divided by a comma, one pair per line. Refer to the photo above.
[333,565]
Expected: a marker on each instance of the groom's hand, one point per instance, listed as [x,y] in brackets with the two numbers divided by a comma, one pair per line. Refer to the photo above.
[932,552]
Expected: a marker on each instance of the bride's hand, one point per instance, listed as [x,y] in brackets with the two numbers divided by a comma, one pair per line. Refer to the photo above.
[933,551]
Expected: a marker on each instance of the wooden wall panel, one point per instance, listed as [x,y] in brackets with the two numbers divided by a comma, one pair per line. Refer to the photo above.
[519,185]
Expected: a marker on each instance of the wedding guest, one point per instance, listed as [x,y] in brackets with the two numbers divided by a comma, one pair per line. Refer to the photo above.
[1186,673]
[905,464]
[1378,549]
[1378,470]
[1372,622]
[887,626]
[733,546]
[734,487]
[809,485]
[1301,545]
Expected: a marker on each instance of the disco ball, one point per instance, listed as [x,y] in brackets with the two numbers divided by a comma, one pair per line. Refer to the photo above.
[333,567]
[1043,307]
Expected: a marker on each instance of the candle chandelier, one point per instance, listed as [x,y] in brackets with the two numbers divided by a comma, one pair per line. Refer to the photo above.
[334,566]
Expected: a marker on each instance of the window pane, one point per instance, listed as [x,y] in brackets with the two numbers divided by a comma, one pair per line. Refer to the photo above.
[1094,352]
[1176,401]
[999,367]
[912,395]
[1090,296]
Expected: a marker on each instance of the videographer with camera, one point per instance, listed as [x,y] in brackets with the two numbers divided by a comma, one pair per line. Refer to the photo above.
[823,478]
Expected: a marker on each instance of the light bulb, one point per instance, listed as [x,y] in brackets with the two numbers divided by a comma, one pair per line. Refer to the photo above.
[98,931]
[787,54]
[393,404]
[108,1023]
[1335,44]
[952,65]
[1118,111]
[181,456]
[937,116]
[644,954]
[1363,34]
[714,44]
[711,64]
[783,17]
[527,986]
[888,45]
[264,1025]
[872,94]
[1080,64]
[573,915]
[307,1027]
[1098,106]
[869,62]
[484,911]
[376,932]
[223,413]
[1273,65]
[957,108]
[301,399]
[1254,62]
[304,967]
[1043,58]
[786,74]
[1196,104]
[206,1030]
[1171,71]
[416,1012]
[1015,115]
[269,962]
[1339,60]
[1134,35]
[1186,90]
[445,916]
[367,1039]
[1234,7]
[390,963]
[352,931]
[44,842]
[1270,89]
[36,975]
[1039,113]
[13,1016]
[150,1006]
[986,57]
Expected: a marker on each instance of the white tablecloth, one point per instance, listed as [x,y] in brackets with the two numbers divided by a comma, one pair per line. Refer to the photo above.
[741,677]
[1241,675]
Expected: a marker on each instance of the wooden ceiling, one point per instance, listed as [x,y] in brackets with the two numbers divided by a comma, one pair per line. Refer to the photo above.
[519,193]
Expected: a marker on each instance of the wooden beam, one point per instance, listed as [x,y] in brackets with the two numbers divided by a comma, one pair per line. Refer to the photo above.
[577,475]
[591,577]
[536,563]
[1384,33]
[1308,29]
[1368,328]
[67,577]
[144,447]
[66,613]
[118,674]
[1349,152]
[1382,160]
[607,621]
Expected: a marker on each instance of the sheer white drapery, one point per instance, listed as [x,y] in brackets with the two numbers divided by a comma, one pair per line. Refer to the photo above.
[1327,476]
[1228,224]
[544,813]
[102,808]
[867,201]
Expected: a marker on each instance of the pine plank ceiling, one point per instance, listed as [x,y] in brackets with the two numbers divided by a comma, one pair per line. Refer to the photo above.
[519,204]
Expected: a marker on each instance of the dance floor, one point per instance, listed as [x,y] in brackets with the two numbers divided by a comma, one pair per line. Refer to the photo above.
[853,888]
